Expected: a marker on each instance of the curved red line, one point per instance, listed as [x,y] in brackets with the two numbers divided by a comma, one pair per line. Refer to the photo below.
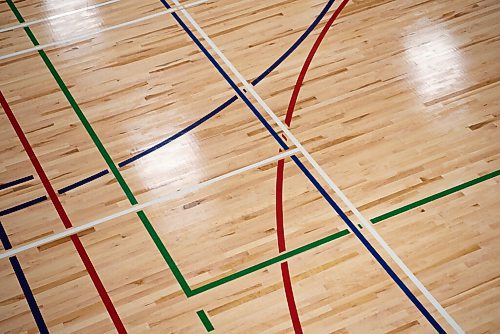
[310,56]
[280,230]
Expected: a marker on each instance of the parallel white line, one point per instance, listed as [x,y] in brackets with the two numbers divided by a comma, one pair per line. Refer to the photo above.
[325,177]
[90,34]
[138,207]
[53,17]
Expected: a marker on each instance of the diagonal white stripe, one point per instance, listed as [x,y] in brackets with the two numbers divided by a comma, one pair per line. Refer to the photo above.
[325,177]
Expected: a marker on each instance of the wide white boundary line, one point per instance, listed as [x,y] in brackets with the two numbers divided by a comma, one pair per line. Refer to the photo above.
[325,177]
[53,17]
[138,207]
[90,34]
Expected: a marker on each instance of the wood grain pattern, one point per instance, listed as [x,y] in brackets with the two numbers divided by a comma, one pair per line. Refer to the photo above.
[401,102]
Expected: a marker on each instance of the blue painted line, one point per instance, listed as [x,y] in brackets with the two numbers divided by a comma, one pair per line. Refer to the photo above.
[294,45]
[358,234]
[28,294]
[16,182]
[197,123]
[368,246]
[84,181]
[180,133]
[23,282]
[228,79]
[4,238]
[22,206]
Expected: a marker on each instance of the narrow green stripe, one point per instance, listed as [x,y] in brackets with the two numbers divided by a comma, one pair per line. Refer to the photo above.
[332,237]
[126,189]
[31,36]
[164,252]
[204,319]
[89,128]
[435,197]
[161,247]
[13,8]
[264,264]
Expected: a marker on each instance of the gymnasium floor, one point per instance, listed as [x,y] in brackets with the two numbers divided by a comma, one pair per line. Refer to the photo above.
[224,166]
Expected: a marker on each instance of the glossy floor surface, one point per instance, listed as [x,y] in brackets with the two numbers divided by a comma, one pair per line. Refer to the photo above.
[122,105]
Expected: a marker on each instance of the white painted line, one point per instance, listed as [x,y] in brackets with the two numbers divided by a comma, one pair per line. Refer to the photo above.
[325,177]
[90,34]
[49,18]
[138,207]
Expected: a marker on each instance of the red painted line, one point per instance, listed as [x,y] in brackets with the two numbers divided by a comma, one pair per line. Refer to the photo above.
[279,206]
[285,273]
[290,299]
[280,231]
[64,217]
[310,56]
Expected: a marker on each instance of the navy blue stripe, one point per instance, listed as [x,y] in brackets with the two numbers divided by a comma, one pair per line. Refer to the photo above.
[209,115]
[22,206]
[4,238]
[23,282]
[16,182]
[365,242]
[228,79]
[180,133]
[368,246]
[295,45]
[30,298]
[82,182]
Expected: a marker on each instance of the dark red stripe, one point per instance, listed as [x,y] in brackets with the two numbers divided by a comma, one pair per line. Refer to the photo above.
[285,273]
[280,231]
[310,56]
[64,217]
[292,308]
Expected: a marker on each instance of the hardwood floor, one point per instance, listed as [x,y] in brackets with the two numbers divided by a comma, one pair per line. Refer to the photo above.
[400,103]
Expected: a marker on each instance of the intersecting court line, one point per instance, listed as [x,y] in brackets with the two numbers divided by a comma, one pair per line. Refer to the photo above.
[57,16]
[106,157]
[190,127]
[138,207]
[97,32]
[325,177]
[64,217]
[280,228]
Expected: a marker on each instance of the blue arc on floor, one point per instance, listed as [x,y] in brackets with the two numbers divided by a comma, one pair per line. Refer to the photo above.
[313,180]
[192,126]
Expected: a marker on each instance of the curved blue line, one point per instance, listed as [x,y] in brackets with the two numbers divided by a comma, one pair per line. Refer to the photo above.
[311,178]
[192,126]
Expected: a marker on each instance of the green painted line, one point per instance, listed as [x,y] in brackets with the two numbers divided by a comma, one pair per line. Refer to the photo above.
[204,319]
[156,239]
[13,8]
[264,264]
[337,235]
[435,197]
[104,153]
